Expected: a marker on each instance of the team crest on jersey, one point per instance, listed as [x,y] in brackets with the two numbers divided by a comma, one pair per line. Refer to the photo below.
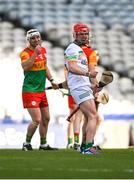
[33,103]
[40,56]
[80,52]
[84,62]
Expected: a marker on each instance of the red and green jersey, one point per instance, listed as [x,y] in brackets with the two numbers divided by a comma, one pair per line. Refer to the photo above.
[35,77]
[91,54]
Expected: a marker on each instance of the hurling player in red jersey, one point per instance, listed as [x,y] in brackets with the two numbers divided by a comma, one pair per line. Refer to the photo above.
[34,64]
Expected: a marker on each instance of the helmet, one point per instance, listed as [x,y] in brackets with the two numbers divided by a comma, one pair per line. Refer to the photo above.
[81,28]
[31,33]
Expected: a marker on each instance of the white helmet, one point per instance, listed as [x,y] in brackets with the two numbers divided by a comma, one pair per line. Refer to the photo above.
[31,33]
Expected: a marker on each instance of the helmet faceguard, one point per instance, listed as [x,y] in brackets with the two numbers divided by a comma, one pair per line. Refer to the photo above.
[31,33]
[81,29]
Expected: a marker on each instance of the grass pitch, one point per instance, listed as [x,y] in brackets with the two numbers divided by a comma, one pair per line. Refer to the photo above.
[66,164]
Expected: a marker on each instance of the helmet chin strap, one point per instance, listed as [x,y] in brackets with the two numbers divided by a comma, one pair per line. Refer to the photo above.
[80,43]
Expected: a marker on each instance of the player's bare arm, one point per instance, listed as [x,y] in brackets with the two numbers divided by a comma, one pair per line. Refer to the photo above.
[73,68]
[51,79]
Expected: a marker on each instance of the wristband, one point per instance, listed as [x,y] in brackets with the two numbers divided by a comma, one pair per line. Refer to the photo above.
[51,80]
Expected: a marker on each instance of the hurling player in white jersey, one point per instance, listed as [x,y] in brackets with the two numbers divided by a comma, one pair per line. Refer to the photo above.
[78,79]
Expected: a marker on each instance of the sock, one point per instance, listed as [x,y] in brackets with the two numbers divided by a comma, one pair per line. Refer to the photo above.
[28,139]
[70,140]
[43,141]
[76,137]
[83,145]
[88,145]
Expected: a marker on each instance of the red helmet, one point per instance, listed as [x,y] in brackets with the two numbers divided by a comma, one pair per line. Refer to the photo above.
[81,28]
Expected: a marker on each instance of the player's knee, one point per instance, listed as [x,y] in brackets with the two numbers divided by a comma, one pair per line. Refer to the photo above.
[47,118]
[93,116]
[35,123]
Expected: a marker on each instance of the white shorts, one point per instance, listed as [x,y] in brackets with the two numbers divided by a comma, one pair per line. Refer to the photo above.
[82,94]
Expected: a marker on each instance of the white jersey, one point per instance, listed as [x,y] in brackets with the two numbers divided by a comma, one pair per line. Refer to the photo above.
[74,53]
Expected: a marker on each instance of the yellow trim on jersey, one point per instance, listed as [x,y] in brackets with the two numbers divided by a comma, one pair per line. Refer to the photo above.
[24,56]
[39,65]
[72,60]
